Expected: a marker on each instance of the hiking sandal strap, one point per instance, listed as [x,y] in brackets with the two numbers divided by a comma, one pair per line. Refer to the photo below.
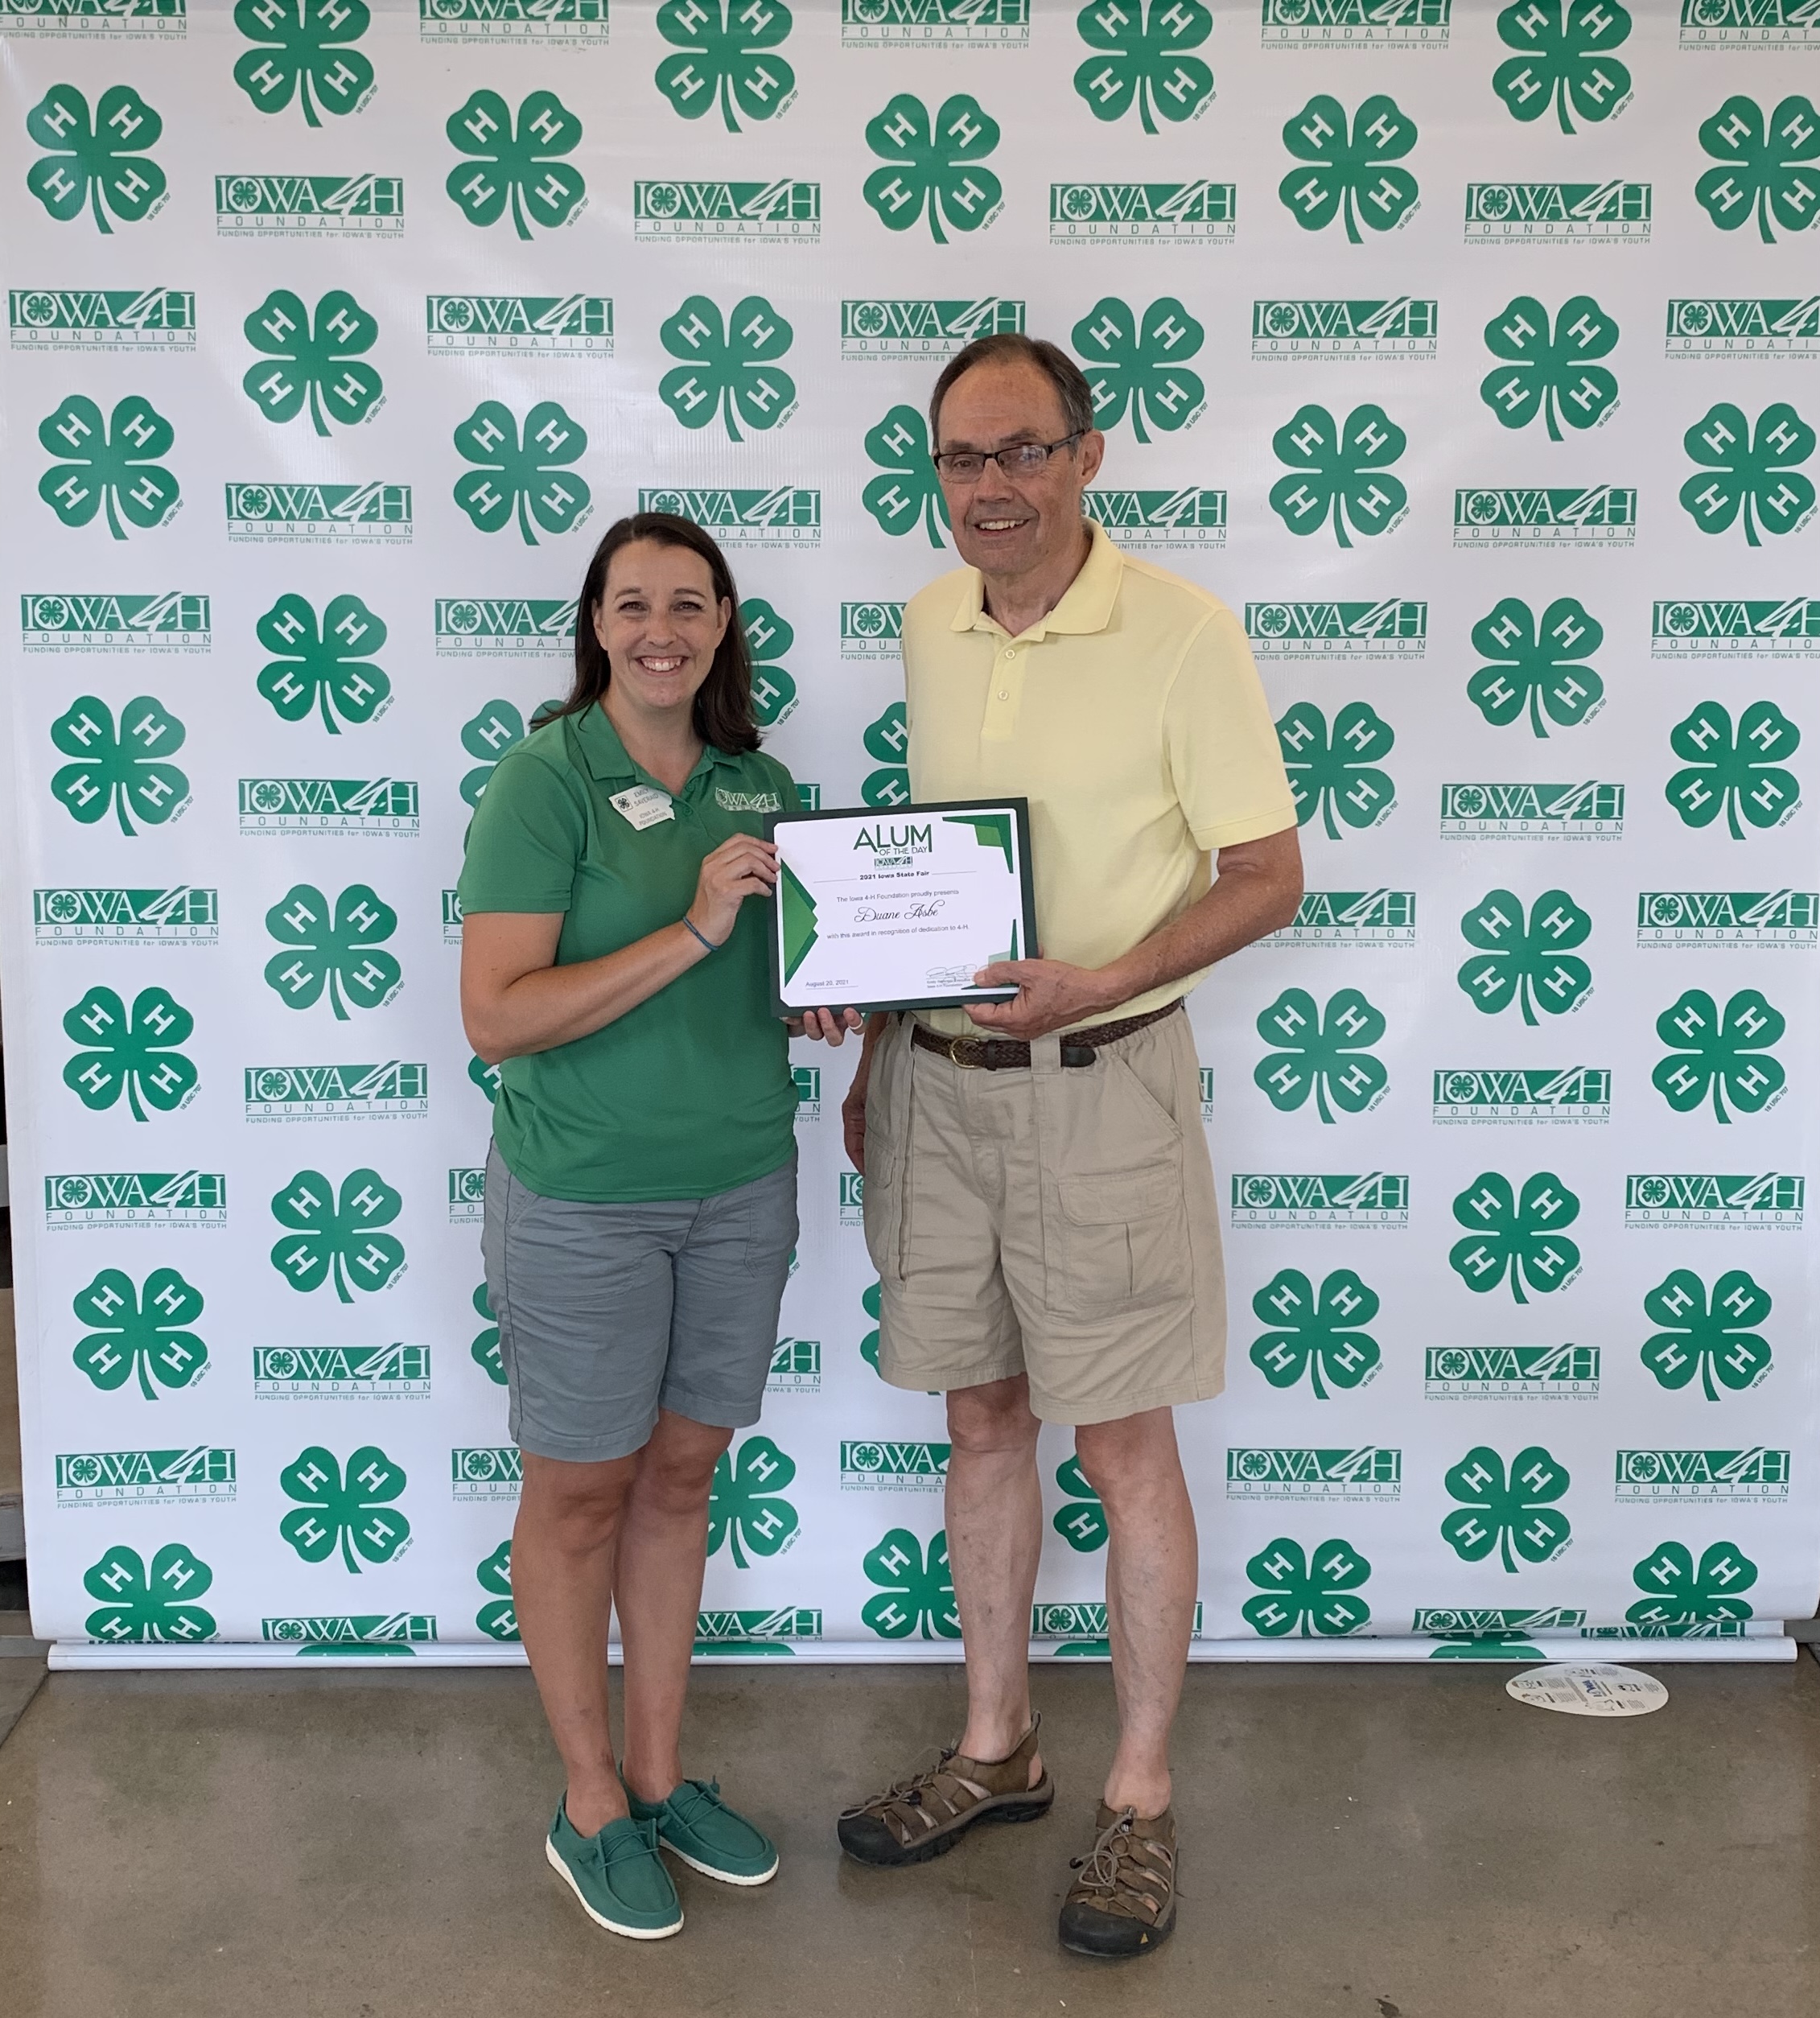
[1125,1873]
[936,1797]
[928,1800]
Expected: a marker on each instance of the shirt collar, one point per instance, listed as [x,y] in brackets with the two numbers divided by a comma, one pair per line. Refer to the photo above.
[608,759]
[1086,605]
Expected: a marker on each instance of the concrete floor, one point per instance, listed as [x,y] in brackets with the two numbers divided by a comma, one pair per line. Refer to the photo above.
[1369,1842]
[20,1676]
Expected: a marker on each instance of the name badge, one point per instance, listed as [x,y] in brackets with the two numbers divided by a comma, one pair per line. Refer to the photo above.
[644,806]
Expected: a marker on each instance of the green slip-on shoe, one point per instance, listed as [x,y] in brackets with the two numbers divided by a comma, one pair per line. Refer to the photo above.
[618,1875]
[698,1826]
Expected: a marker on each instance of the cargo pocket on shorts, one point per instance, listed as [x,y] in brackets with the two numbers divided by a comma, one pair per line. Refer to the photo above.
[772,1228]
[1119,1241]
[883,1190]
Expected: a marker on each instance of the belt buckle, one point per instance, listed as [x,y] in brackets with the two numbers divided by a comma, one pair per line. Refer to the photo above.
[966,1064]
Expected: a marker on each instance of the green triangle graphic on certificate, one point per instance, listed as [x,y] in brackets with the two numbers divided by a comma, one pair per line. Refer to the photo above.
[798,921]
[1014,953]
[991,830]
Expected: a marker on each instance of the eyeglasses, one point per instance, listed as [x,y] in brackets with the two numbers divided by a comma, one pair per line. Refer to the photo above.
[1022,459]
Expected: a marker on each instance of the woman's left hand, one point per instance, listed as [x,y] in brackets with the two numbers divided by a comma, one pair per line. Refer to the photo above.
[825,1026]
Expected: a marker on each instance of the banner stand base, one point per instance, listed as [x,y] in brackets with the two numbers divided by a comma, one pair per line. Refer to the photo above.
[87,1656]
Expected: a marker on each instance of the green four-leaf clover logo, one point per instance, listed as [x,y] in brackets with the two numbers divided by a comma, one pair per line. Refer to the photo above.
[1316,1335]
[1081,1519]
[934,165]
[1325,1053]
[1550,372]
[326,665]
[1486,1646]
[498,1618]
[301,52]
[1141,58]
[888,743]
[103,165]
[337,1239]
[1716,1337]
[1716,1054]
[112,463]
[484,1350]
[489,1078]
[498,727]
[1506,1511]
[1139,369]
[523,169]
[527,475]
[144,1332]
[730,368]
[1350,174]
[729,54]
[909,492]
[1682,1595]
[1307,1592]
[916,1592]
[312,362]
[869,1344]
[1337,774]
[125,770]
[340,950]
[1537,663]
[354,1511]
[133,1054]
[1742,773]
[1565,59]
[1339,473]
[745,1506]
[1770,165]
[1749,474]
[157,1605]
[1515,1237]
[768,637]
[1531,962]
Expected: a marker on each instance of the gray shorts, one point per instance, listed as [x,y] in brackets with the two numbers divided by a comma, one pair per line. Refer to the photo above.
[608,1313]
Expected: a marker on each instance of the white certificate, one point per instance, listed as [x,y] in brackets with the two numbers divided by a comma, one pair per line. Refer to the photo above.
[899,907]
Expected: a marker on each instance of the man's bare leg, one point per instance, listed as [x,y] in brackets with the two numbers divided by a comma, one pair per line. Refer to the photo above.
[994,1516]
[1152,1561]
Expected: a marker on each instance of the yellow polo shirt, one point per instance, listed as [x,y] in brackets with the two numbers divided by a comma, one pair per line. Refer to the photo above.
[1132,719]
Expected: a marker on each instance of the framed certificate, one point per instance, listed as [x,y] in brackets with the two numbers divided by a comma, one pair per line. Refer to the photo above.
[899,907]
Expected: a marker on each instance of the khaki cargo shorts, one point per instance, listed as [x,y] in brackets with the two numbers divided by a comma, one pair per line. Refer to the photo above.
[1058,1222]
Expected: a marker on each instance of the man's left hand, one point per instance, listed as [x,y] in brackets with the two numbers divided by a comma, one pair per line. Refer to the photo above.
[1050,995]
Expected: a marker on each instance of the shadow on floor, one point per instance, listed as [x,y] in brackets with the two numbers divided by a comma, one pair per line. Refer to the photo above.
[1369,1842]
[20,1675]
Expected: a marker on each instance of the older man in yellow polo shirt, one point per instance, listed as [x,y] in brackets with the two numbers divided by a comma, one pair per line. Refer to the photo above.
[1039,1202]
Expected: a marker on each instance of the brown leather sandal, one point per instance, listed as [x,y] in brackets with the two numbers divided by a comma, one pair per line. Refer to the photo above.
[928,1814]
[1123,1902]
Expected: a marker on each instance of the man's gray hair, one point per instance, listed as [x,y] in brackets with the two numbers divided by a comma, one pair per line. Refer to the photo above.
[1009,348]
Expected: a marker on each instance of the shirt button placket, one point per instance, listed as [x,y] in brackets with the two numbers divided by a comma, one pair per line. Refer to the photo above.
[1002,694]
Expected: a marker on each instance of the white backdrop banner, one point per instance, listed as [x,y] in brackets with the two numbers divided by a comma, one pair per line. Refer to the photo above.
[1472,354]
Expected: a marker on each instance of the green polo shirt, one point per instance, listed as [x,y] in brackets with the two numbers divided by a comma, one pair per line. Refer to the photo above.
[690,1093]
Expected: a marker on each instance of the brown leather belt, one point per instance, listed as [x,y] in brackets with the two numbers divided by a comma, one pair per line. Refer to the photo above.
[1005,1054]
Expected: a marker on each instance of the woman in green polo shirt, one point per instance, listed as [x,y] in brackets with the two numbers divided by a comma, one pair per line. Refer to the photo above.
[641,1183]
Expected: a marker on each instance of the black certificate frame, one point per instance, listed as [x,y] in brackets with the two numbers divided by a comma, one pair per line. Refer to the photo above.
[1019,810]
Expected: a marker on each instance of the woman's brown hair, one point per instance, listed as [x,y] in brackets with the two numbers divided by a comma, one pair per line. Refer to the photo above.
[724,701]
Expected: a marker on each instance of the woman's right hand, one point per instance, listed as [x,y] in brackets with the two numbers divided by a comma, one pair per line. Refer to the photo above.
[744,867]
